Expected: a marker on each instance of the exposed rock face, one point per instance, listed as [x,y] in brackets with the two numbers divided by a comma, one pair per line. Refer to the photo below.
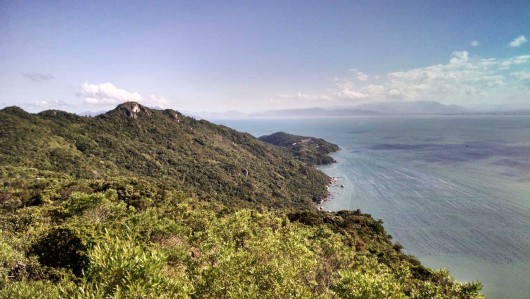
[131,109]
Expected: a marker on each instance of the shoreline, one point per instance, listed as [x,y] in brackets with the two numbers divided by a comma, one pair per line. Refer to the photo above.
[332,182]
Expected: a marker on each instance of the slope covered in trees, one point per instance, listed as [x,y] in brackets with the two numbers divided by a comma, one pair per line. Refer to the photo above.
[311,150]
[94,208]
[194,156]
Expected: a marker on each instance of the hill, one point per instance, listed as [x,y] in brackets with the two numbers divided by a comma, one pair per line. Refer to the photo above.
[163,146]
[109,207]
[311,150]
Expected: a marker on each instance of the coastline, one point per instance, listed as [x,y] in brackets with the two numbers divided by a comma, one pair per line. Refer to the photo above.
[333,182]
[336,187]
[347,198]
[410,221]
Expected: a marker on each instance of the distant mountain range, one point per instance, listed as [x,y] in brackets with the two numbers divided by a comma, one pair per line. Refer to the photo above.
[419,107]
[371,109]
[314,112]
[92,114]
[368,109]
[386,108]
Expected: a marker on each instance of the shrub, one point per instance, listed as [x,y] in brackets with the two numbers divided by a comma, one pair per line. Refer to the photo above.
[121,269]
[61,248]
[37,290]
[371,280]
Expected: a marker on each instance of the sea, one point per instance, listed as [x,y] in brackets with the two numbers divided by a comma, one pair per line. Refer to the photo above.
[453,190]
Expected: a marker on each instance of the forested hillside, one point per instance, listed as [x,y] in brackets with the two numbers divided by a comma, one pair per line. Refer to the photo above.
[164,147]
[143,203]
[311,150]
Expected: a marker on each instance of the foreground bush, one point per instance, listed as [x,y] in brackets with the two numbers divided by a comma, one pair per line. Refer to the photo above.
[183,248]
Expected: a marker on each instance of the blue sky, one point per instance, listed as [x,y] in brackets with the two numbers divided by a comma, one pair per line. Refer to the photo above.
[261,55]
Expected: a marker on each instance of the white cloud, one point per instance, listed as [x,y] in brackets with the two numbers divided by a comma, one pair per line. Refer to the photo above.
[38,77]
[475,43]
[514,62]
[518,41]
[523,76]
[460,78]
[348,90]
[301,96]
[459,57]
[50,103]
[523,59]
[359,75]
[45,104]
[106,94]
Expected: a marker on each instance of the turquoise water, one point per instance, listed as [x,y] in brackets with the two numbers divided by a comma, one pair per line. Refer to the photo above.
[454,190]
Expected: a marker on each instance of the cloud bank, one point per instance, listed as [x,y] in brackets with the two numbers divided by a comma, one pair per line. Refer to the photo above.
[463,80]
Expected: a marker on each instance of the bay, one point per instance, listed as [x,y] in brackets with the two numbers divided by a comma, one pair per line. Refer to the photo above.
[453,190]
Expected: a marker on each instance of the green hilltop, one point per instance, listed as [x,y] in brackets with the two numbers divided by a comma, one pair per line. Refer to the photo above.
[145,203]
[163,147]
[311,150]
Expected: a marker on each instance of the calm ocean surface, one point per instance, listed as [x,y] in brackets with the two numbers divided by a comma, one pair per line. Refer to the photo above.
[454,190]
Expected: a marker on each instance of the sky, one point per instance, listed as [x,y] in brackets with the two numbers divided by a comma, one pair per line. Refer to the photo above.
[263,55]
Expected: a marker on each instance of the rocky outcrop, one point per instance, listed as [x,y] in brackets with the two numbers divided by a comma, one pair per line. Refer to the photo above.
[132,109]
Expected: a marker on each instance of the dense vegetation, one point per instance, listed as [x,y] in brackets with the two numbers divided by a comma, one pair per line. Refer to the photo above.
[165,147]
[166,245]
[123,230]
[311,150]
